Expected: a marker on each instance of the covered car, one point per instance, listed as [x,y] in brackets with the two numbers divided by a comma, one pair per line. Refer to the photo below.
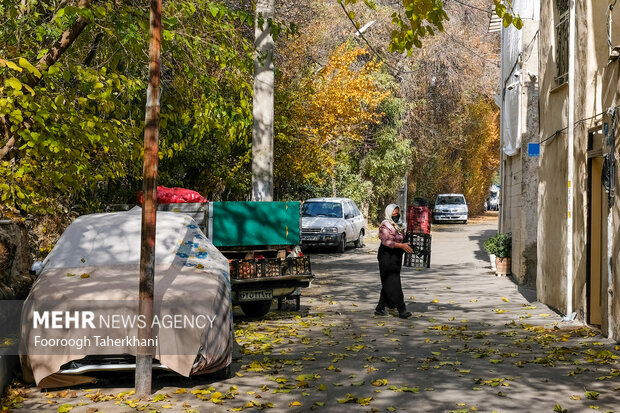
[82,312]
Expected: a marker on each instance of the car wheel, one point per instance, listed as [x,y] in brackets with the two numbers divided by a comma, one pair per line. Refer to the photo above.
[343,243]
[465,222]
[359,243]
[256,308]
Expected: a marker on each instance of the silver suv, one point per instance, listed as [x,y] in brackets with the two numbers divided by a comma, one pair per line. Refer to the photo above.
[332,222]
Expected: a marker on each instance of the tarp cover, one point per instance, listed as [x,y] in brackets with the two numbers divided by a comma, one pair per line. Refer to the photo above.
[95,266]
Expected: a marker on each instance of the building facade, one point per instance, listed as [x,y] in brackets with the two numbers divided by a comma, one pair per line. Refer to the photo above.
[578,270]
[518,100]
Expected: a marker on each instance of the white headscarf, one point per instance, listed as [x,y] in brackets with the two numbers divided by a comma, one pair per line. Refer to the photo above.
[388,216]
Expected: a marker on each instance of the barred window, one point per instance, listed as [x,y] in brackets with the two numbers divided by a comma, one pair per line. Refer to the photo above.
[561,40]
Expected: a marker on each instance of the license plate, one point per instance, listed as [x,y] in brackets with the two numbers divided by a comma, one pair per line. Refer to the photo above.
[309,238]
[255,295]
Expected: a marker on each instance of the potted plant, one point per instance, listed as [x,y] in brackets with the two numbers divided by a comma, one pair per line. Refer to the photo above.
[501,246]
[490,247]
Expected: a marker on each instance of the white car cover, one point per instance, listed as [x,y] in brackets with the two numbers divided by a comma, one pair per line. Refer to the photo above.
[95,267]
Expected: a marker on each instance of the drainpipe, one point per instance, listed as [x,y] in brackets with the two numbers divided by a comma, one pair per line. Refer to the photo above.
[611,142]
[502,85]
[571,161]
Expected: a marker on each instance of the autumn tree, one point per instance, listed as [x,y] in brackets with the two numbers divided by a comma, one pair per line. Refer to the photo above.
[332,107]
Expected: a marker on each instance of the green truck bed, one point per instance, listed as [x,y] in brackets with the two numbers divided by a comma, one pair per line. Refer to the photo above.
[253,224]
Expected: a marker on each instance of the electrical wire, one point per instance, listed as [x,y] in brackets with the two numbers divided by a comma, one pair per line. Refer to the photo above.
[471,51]
[580,121]
[472,6]
[377,53]
[401,71]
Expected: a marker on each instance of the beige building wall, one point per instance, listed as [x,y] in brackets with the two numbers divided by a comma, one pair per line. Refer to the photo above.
[519,186]
[591,57]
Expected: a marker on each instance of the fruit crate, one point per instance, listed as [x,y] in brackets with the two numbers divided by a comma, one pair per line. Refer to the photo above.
[297,266]
[269,267]
[243,269]
[421,244]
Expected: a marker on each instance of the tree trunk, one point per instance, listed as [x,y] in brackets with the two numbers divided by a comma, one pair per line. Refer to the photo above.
[145,354]
[262,139]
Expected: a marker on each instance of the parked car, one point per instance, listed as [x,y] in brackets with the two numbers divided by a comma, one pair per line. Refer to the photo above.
[450,207]
[332,222]
[94,270]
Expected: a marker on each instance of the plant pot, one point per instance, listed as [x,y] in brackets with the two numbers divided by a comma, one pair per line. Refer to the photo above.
[502,265]
[492,259]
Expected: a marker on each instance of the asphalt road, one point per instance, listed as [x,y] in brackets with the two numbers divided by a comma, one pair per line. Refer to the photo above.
[476,342]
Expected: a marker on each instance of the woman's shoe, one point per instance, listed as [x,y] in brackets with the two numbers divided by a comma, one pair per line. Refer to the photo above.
[383,312]
[405,314]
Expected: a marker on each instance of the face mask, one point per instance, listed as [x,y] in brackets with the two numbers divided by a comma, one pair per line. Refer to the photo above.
[396,217]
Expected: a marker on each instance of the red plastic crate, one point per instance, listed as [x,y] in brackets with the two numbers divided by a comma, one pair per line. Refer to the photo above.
[419,219]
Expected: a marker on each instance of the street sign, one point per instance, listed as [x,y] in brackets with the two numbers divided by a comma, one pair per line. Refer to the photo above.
[533,150]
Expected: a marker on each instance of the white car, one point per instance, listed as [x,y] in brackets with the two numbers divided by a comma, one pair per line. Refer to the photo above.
[450,207]
[332,222]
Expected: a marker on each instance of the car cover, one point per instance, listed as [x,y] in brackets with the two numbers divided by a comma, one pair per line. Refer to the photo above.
[94,268]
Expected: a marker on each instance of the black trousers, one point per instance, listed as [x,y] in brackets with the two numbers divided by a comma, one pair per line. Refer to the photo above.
[390,264]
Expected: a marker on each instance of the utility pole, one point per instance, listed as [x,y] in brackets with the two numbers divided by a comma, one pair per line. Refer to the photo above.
[262,138]
[144,354]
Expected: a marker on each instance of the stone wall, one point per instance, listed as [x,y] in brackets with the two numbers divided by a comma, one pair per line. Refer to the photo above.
[15,261]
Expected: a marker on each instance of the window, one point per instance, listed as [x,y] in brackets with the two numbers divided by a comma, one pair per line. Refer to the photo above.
[561,40]
[348,212]
[322,209]
[450,200]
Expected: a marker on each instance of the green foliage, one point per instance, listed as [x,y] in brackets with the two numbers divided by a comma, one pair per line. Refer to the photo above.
[78,124]
[420,19]
[499,245]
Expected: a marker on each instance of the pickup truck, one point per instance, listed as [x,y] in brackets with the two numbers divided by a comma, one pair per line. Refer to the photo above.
[260,240]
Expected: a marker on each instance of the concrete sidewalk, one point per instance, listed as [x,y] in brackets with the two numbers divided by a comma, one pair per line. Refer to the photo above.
[475,343]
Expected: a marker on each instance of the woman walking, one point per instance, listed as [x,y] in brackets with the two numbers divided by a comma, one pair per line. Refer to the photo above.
[390,256]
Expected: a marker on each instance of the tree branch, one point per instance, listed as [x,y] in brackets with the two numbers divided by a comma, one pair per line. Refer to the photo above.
[66,39]
[10,139]
[62,44]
